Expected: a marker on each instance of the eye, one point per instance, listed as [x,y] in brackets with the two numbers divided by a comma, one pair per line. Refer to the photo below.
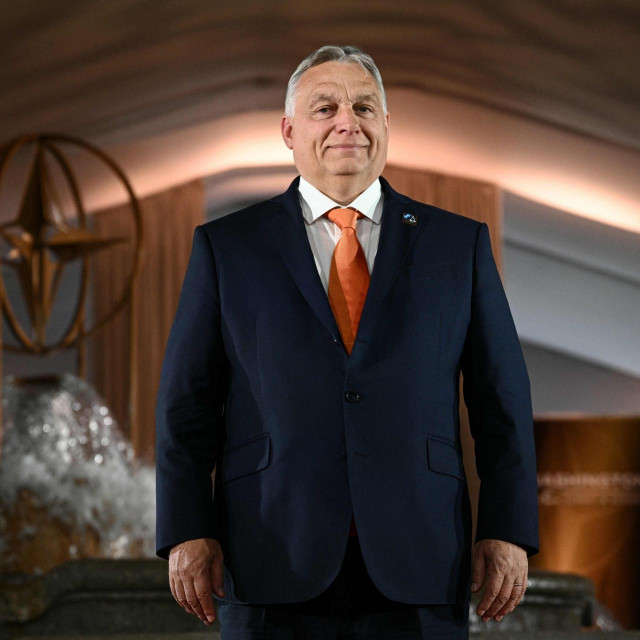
[324,111]
[364,109]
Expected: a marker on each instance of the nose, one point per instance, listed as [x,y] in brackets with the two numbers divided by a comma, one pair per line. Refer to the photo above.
[346,120]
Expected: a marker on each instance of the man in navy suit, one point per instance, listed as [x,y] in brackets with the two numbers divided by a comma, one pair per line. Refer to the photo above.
[340,502]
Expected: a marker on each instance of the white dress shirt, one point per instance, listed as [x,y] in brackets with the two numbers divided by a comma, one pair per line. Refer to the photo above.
[324,235]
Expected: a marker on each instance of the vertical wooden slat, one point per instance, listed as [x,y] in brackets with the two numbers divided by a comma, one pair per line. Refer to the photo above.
[168,220]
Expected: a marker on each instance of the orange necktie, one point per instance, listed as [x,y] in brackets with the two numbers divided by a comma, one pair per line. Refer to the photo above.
[348,283]
[348,276]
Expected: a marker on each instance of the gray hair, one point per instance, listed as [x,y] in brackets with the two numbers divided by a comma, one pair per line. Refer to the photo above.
[332,53]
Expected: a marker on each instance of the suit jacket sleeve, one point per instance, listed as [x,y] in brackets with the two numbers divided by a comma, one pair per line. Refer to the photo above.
[497,393]
[189,422]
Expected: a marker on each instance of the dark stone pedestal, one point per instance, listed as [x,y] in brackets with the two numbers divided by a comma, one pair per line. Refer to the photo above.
[95,599]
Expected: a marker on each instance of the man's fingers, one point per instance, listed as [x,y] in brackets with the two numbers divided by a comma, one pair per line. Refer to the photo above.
[511,603]
[492,591]
[501,599]
[524,588]
[180,596]
[174,592]
[479,570]
[519,588]
[202,585]
[193,598]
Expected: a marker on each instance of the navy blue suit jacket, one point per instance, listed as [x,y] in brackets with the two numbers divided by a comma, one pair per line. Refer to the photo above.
[256,381]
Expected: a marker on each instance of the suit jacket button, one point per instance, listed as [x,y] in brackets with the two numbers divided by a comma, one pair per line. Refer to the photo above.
[352,396]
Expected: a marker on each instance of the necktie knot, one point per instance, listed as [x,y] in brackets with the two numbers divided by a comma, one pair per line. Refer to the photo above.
[344,217]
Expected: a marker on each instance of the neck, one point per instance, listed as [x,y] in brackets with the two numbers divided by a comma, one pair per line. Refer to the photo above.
[342,189]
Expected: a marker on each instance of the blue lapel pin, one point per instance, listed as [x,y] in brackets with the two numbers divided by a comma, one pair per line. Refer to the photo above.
[409,218]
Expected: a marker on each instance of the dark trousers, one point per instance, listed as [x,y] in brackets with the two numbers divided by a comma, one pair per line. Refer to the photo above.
[350,608]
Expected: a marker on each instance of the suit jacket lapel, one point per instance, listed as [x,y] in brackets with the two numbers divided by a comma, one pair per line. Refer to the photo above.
[396,238]
[286,224]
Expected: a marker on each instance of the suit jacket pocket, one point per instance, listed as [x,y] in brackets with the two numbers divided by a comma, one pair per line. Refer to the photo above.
[443,457]
[247,457]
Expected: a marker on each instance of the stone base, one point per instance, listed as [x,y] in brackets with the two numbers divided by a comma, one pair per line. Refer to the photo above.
[93,599]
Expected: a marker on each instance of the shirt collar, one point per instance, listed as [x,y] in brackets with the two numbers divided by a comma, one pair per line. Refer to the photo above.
[318,204]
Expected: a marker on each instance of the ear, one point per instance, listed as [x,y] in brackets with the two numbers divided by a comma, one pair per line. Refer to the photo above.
[286,130]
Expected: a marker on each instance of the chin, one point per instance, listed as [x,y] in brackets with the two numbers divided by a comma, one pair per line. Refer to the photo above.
[346,168]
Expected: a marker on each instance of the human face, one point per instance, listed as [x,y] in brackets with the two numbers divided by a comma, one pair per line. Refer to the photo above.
[338,132]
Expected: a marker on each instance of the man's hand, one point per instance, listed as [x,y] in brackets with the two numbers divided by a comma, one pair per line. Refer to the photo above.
[194,566]
[503,568]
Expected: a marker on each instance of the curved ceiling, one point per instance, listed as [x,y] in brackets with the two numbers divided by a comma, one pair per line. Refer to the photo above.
[115,71]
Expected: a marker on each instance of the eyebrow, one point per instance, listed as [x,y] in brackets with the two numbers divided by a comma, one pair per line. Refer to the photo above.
[367,96]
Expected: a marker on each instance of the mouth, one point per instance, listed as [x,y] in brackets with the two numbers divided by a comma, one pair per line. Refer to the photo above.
[347,147]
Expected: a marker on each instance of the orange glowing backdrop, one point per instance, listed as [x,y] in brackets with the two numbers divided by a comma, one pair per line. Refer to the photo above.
[589,496]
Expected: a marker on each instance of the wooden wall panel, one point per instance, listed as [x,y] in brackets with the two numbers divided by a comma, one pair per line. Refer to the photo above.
[168,219]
